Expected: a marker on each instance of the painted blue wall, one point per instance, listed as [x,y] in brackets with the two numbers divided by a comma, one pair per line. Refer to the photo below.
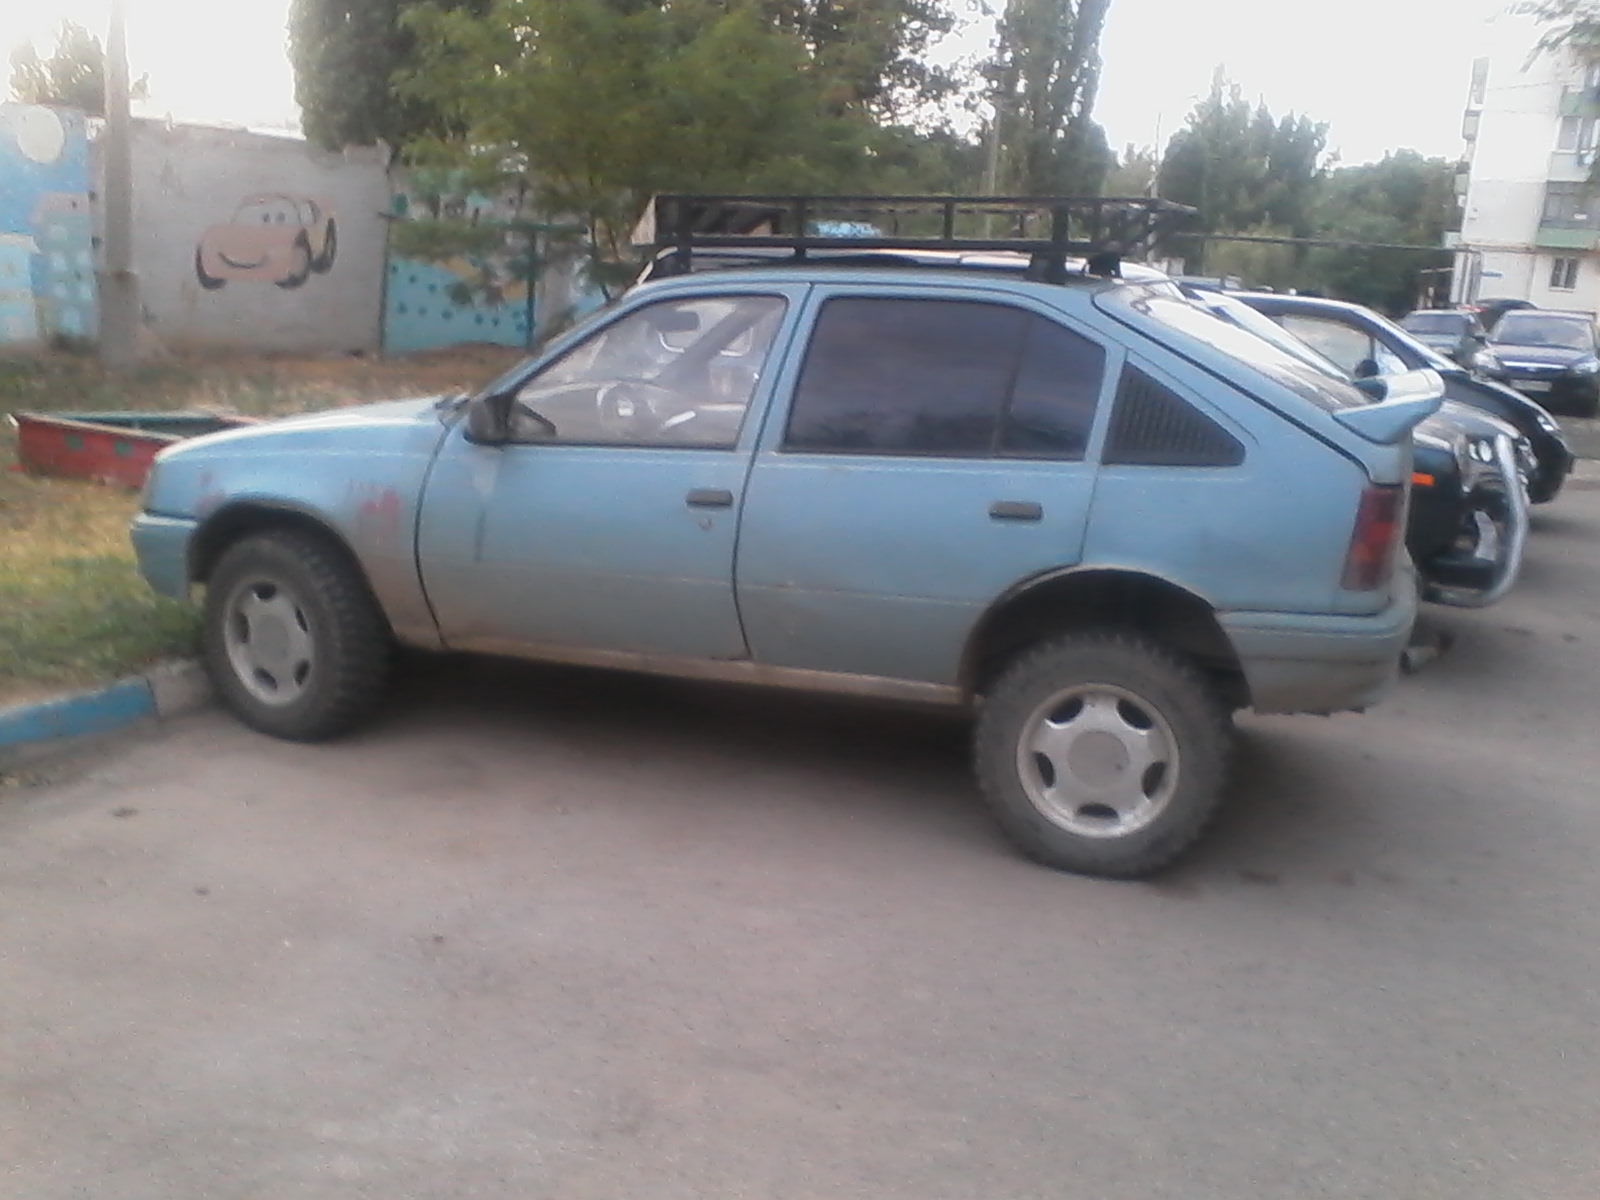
[47,282]
[420,314]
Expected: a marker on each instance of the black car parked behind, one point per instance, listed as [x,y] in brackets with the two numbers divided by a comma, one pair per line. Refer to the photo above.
[1365,343]
[1553,357]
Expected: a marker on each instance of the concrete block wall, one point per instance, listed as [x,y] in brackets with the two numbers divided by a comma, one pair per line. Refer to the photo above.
[257,241]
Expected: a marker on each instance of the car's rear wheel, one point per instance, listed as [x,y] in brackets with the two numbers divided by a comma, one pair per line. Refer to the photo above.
[293,639]
[1102,753]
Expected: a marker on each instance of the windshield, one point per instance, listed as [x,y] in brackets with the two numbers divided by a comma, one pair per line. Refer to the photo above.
[1268,330]
[1294,371]
[1538,329]
[1435,322]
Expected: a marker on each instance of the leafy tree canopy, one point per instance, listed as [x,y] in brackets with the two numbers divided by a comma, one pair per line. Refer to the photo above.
[873,52]
[345,54]
[603,102]
[1242,168]
[1042,79]
[1569,24]
[73,76]
[1404,200]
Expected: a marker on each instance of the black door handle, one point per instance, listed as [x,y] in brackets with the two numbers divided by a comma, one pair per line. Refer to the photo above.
[709,498]
[1016,510]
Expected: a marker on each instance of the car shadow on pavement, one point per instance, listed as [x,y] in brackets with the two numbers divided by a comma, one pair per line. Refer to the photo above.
[1285,815]
[837,751]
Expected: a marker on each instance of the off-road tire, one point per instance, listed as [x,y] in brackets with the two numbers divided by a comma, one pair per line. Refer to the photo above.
[351,640]
[1197,723]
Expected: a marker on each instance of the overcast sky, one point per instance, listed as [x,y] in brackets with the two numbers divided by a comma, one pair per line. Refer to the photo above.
[1383,74]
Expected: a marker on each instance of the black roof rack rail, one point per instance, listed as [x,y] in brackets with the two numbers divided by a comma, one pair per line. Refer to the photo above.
[1050,229]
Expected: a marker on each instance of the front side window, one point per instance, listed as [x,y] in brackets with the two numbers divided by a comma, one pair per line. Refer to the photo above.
[674,373]
[944,378]
[1347,347]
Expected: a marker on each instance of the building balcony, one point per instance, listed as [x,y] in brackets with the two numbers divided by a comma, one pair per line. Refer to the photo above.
[1566,237]
[1580,102]
[1571,166]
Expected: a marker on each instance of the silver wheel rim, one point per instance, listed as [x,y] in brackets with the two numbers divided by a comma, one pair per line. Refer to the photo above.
[266,632]
[1098,761]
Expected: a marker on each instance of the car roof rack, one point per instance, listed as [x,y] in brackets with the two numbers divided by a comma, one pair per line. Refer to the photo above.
[1049,229]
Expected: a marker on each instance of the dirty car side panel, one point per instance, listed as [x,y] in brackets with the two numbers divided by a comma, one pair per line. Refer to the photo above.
[364,490]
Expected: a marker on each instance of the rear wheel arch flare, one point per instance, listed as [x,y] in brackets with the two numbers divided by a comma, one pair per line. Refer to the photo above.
[1100,598]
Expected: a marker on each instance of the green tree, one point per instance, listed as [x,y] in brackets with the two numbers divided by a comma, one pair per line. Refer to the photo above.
[1244,169]
[1569,24]
[1042,83]
[906,161]
[346,54]
[597,104]
[1404,200]
[873,52]
[74,75]
[1135,172]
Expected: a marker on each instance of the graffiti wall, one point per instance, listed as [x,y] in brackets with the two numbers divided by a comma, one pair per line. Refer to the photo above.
[257,241]
[466,267]
[47,282]
[457,271]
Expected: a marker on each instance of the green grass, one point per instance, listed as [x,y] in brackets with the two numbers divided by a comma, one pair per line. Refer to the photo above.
[73,608]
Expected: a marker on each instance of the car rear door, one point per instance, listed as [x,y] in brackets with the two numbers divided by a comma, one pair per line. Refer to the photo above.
[935,450]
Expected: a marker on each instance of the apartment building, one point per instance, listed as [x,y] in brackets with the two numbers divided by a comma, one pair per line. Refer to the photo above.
[1530,186]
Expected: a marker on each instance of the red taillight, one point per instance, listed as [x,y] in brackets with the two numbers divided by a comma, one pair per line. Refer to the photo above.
[1376,536]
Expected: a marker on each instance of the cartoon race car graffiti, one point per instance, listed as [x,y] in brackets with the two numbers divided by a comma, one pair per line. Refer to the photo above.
[273,237]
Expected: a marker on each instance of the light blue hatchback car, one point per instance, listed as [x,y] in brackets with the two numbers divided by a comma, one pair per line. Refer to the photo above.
[1076,503]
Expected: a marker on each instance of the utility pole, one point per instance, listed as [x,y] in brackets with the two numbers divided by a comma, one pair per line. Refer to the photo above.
[119,287]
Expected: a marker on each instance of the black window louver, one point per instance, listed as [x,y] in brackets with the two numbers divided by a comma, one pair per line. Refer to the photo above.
[1152,427]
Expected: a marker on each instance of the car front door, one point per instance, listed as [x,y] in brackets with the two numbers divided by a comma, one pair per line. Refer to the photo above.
[935,451]
[608,520]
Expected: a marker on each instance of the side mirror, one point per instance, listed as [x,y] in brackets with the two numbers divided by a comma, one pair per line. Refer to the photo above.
[1367,368]
[486,425]
[1372,387]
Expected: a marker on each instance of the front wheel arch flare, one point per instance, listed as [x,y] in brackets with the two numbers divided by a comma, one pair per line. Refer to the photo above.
[228,525]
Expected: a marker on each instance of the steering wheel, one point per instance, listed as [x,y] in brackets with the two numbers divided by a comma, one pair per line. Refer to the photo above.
[630,408]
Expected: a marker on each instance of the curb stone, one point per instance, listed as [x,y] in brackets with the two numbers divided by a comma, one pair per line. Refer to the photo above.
[166,690]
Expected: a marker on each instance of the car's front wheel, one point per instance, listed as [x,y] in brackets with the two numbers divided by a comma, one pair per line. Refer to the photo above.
[293,639]
[1102,753]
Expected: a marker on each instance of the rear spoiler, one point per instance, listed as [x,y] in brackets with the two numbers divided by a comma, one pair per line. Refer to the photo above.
[1402,402]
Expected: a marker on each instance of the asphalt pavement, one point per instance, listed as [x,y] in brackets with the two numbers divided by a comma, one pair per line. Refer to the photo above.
[547,933]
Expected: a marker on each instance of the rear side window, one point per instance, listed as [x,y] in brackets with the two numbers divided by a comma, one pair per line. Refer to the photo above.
[944,378]
[1152,426]
[1053,399]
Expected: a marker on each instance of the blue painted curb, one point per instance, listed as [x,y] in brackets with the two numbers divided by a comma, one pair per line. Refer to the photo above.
[90,712]
[164,691]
